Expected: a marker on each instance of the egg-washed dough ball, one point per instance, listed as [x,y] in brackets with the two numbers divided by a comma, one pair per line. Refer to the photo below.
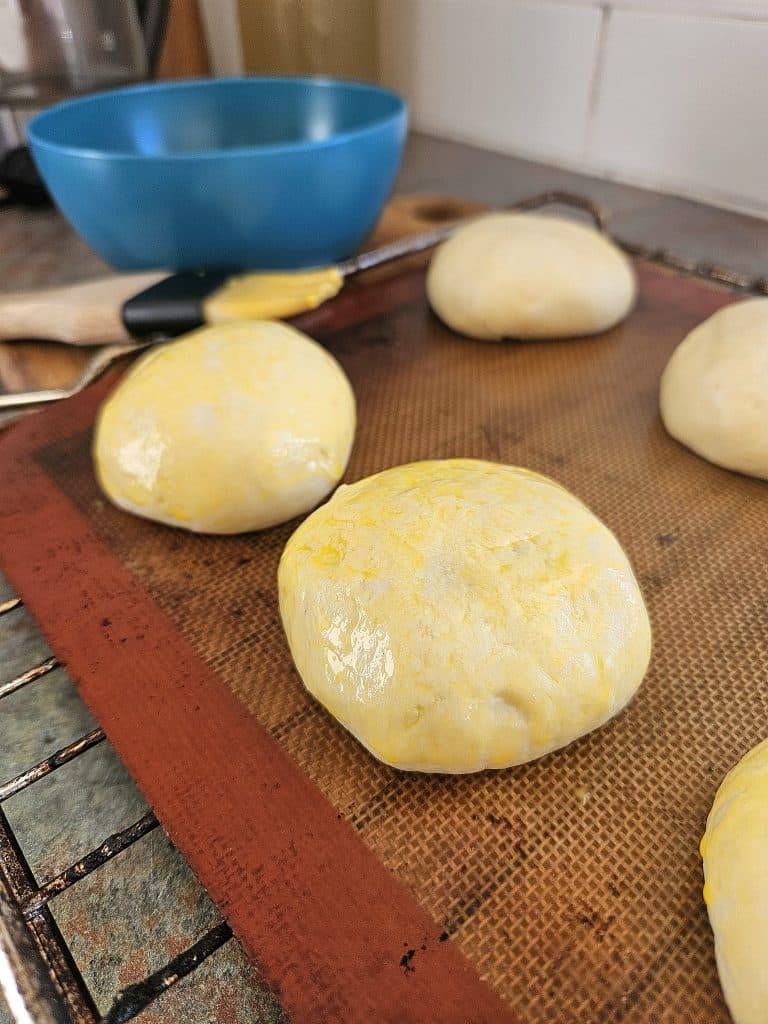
[735,853]
[522,275]
[458,615]
[233,427]
[714,390]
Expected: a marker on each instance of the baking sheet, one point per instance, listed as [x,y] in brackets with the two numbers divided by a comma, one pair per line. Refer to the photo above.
[569,889]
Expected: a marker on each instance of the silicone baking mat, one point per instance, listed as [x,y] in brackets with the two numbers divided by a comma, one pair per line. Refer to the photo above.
[566,890]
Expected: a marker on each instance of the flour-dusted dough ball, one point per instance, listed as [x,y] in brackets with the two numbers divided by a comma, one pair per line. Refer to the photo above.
[714,390]
[735,853]
[458,615]
[519,275]
[231,428]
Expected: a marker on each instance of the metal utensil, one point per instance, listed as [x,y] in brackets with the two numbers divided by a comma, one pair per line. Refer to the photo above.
[101,359]
[105,356]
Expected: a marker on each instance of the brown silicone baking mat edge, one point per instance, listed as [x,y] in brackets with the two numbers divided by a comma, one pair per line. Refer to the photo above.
[324,919]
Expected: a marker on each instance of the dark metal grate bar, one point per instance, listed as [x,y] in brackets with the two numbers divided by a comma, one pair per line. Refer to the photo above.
[17,879]
[29,676]
[136,998]
[110,848]
[31,992]
[756,283]
[49,982]
[555,197]
[50,764]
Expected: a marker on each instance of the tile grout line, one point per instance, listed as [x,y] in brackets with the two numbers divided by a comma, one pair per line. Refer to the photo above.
[595,86]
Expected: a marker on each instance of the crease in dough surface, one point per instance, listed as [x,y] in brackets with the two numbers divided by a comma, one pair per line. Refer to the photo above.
[456,615]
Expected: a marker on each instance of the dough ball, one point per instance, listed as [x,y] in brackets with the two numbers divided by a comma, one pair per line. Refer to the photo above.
[458,615]
[519,275]
[735,853]
[231,428]
[714,390]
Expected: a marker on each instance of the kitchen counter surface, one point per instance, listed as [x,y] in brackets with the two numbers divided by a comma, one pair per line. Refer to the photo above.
[133,914]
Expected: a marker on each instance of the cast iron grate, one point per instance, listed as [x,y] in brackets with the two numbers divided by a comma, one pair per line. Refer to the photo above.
[41,980]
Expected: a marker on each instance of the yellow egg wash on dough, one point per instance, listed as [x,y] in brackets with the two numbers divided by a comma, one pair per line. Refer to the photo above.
[233,427]
[456,615]
[734,849]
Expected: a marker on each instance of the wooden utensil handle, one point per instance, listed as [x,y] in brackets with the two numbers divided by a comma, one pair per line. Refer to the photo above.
[79,314]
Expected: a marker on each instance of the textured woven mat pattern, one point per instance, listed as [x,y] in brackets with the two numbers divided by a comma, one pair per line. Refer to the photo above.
[574,883]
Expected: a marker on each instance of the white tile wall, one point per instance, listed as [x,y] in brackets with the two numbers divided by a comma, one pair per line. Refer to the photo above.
[684,102]
[516,76]
[661,93]
[757,9]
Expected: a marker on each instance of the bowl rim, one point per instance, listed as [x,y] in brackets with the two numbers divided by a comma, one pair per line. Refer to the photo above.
[399,113]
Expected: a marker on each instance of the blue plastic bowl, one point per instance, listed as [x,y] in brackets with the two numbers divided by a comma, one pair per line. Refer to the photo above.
[240,172]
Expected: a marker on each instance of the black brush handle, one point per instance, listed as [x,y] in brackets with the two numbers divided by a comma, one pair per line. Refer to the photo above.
[173,305]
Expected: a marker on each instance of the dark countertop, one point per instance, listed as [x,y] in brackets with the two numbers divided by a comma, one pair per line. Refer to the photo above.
[130,916]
